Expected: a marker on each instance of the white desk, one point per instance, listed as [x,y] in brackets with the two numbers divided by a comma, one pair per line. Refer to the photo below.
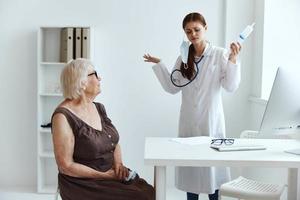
[161,152]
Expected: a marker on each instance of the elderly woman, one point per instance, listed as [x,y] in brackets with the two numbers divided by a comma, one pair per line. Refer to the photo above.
[86,143]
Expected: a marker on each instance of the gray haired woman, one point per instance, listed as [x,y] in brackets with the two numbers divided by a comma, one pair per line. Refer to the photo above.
[86,146]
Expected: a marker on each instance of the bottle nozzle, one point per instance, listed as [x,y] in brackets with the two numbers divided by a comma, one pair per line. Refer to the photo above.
[252,25]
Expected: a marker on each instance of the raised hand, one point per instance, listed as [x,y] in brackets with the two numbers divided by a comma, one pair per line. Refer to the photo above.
[148,58]
[235,49]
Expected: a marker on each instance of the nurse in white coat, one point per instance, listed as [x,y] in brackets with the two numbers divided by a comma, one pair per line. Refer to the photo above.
[201,111]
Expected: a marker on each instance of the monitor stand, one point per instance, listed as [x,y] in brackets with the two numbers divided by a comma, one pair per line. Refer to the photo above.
[293,151]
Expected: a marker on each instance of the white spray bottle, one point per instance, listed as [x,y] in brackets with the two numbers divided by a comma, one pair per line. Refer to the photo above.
[245,33]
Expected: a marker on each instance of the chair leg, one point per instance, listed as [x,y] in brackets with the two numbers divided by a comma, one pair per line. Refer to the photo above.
[219,196]
[56,194]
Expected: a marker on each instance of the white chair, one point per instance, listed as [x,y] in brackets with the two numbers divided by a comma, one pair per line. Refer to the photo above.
[243,188]
[247,189]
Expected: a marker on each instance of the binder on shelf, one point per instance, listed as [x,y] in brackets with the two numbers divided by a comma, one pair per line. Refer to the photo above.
[77,42]
[66,44]
[85,43]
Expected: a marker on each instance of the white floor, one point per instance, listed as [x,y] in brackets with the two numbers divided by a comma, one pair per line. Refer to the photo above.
[172,194]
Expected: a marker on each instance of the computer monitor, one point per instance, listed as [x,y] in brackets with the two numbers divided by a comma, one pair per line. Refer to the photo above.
[282,113]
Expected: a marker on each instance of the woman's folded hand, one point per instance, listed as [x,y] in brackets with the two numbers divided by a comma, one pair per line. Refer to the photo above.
[121,171]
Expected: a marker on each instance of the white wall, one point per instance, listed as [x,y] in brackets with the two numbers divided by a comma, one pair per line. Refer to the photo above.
[239,14]
[281,39]
[277,46]
[124,31]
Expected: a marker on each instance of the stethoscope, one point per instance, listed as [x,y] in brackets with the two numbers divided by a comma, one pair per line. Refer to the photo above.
[196,63]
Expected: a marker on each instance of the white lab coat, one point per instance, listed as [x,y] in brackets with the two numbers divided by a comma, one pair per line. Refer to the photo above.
[201,113]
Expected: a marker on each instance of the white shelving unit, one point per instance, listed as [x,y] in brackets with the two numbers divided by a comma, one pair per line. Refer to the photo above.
[48,97]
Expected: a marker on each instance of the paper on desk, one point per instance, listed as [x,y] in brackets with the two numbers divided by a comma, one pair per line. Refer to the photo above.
[193,140]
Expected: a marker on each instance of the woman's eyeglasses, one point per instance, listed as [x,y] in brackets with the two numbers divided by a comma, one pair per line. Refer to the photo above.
[94,73]
[221,141]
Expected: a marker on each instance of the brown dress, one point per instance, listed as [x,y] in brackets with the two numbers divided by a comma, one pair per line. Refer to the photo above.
[95,149]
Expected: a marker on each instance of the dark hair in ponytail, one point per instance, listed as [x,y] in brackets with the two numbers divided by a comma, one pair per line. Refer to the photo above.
[189,70]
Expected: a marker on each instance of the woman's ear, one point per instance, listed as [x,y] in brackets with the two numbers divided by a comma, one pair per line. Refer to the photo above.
[205,27]
[84,84]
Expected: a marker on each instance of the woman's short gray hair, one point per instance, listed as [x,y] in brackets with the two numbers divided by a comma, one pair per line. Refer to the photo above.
[72,77]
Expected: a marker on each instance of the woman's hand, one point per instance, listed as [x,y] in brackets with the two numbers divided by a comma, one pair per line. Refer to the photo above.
[121,171]
[149,58]
[110,175]
[235,49]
